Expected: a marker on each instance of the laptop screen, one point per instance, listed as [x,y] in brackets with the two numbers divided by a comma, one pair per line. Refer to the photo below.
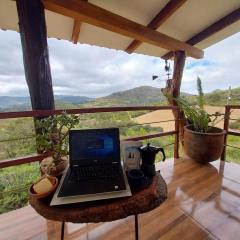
[94,146]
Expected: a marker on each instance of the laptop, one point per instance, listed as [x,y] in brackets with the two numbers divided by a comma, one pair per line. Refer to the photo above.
[95,169]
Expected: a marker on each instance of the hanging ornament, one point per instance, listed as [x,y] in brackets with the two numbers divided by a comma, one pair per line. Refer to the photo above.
[167,68]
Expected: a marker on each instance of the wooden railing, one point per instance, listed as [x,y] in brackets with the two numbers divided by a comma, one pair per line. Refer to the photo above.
[227,118]
[46,113]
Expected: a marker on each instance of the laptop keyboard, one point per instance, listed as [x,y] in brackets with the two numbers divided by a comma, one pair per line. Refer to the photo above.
[79,174]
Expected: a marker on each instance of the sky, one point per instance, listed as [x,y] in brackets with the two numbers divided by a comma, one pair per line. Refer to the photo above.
[94,72]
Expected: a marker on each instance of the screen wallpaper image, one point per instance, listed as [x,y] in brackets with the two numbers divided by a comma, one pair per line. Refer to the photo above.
[89,146]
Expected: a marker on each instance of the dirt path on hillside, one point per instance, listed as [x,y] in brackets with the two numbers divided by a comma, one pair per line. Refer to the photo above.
[163,115]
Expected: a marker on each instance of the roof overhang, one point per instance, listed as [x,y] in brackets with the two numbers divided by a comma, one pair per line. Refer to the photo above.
[158,26]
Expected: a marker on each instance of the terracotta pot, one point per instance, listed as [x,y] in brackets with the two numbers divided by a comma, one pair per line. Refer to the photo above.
[48,166]
[203,147]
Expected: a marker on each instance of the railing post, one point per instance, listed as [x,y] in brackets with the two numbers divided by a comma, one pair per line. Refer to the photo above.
[176,143]
[225,127]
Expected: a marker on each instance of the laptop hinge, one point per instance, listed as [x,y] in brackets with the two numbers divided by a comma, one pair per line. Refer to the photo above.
[74,166]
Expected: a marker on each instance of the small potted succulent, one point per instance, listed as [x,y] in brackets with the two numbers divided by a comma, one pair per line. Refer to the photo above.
[202,140]
[52,138]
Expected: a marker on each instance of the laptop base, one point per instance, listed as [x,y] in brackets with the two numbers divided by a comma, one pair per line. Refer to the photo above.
[89,197]
[70,187]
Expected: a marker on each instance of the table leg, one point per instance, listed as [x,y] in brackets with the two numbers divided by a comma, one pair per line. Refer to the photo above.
[136,227]
[62,231]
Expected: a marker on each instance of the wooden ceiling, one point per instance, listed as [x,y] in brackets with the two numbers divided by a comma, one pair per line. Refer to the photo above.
[94,15]
[158,20]
[211,30]
[153,27]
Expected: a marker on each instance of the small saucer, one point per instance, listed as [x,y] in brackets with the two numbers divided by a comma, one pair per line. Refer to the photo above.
[54,182]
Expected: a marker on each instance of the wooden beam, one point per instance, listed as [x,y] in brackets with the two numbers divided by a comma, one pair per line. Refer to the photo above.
[102,18]
[46,113]
[33,34]
[226,127]
[176,140]
[155,135]
[234,106]
[179,63]
[76,31]
[22,160]
[234,133]
[168,10]
[212,29]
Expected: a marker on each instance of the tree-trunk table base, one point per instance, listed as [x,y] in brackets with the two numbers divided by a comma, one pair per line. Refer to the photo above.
[104,210]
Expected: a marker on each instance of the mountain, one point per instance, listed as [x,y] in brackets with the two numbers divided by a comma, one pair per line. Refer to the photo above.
[144,95]
[136,96]
[8,103]
[73,99]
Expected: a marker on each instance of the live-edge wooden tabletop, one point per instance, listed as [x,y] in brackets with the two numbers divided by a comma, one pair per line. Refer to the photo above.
[105,210]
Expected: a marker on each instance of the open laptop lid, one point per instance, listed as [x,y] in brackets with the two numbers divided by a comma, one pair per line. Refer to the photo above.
[94,146]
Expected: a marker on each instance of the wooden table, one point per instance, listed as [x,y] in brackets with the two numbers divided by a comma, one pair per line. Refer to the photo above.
[105,210]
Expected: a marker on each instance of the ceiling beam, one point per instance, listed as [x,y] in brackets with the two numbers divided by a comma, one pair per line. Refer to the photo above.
[171,7]
[76,31]
[212,29]
[94,15]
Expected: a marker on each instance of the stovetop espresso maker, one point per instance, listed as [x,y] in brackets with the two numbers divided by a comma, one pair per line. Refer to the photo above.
[148,154]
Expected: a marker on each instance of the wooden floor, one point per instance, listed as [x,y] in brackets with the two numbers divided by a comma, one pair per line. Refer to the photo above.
[203,203]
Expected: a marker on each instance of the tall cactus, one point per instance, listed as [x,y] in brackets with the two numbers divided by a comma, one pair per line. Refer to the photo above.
[200,93]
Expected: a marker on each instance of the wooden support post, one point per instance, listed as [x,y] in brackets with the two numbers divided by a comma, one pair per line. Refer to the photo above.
[33,34]
[179,63]
[173,89]
[176,142]
[225,127]
[32,27]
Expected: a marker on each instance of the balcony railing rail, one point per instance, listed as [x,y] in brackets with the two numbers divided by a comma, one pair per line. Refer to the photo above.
[45,113]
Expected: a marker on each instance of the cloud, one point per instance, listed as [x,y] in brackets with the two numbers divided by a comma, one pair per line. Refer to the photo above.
[93,71]
[218,70]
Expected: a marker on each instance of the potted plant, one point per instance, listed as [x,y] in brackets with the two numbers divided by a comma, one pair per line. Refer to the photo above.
[202,141]
[52,138]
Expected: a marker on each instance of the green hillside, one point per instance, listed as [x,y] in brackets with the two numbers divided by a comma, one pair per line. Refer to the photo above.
[144,95]
[219,97]
[137,96]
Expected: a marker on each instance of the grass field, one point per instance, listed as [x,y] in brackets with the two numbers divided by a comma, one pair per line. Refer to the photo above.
[165,115]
